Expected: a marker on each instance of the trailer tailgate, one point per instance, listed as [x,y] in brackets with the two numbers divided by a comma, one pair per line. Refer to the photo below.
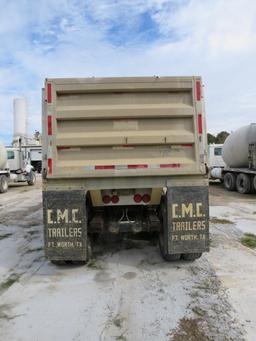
[123,127]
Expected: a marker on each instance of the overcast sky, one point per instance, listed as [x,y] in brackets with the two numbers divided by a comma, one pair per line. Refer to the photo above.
[79,38]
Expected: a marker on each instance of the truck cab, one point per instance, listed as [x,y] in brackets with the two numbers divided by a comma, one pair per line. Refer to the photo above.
[16,159]
[19,165]
[215,156]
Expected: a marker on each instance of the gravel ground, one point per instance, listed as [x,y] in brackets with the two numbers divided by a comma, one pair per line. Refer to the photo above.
[127,292]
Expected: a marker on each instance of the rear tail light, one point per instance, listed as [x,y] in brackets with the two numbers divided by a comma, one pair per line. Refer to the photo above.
[137,198]
[104,167]
[146,198]
[115,199]
[106,199]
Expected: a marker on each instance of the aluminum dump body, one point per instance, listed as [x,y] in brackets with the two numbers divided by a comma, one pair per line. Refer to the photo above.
[123,127]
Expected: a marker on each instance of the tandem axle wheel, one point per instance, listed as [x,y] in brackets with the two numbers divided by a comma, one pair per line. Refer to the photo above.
[176,256]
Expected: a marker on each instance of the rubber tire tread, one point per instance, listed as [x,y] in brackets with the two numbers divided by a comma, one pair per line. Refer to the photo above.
[167,257]
[3,184]
[191,256]
[33,181]
[230,181]
[243,183]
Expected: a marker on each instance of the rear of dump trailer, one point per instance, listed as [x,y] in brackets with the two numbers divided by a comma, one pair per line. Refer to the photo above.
[124,155]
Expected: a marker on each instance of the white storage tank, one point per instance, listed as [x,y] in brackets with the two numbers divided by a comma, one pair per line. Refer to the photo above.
[235,148]
[19,117]
[3,156]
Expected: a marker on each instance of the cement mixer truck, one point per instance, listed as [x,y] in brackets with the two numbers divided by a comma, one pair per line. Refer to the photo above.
[239,154]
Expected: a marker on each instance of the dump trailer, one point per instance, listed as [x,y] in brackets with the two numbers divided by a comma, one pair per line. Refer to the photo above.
[124,155]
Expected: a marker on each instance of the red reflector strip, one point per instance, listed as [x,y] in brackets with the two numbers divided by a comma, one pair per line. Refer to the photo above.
[200,124]
[50,166]
[137,166]
[49,119]
[142,166]
[187,145]
[63,148]
[198,91]
[49,93]
[170,165]
[104,167]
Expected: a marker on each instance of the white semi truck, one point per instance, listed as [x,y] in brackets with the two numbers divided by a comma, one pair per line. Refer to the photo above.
[124,155]
[14,167]
[215,160]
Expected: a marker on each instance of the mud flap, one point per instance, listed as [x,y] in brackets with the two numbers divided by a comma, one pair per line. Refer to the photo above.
[65,225]
[186,220]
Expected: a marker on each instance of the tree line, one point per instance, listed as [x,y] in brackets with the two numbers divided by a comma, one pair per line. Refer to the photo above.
[219,138]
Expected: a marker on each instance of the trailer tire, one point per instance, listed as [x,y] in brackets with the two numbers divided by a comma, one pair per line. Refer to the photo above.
[254,183]
[191,256]
[243,183]
[230,181]
[3,184]
[32,180]
[169,258]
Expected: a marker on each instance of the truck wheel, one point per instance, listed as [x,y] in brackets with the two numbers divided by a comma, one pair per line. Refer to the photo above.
[243,183]
[254,183]
[32,179]
[3,184]
[167,257]
[230,181]
[191,256]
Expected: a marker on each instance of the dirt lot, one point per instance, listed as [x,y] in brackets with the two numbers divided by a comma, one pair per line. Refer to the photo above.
[127,292]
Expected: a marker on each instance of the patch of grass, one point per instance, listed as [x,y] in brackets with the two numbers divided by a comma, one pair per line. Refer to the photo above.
[2,236]
[189,330]
[94,265]
[4,308]
[34,223]
[9,281]
[121,338]
[4,312]
[32,232]
[249,240]
[118,322]
[213,242]
[215,220]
